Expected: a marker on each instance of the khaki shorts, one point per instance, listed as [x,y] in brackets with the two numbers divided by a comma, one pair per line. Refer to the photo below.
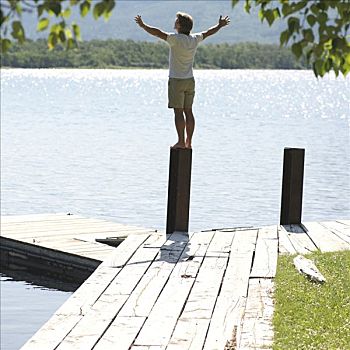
[180,92]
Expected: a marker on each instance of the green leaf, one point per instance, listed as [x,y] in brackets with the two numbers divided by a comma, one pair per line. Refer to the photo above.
[293,24]
[286,9]
[269,15]
[308,35]
[66,13]
[297,50]
[311,19]
[284,37]
[76,31]
[84,8]
[314,9]
[19,8]
[54,6]
[40,10]
[71,44]
[55,28]
[234,2]
[261,14]
[5,45]
[98,10]
[299,5]
[62,36]
[18,31]
[247,6]
[68,33]
[322,17]
[108,10]
[52,40]
[339,43]
[42,24]
[319,68]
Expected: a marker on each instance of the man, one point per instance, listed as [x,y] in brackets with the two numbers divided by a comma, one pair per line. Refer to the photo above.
[181,85]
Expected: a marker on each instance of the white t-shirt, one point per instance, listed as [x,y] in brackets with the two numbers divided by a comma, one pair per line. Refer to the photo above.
[182,50]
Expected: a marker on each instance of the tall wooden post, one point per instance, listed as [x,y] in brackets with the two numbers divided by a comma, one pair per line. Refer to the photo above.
[292,186]
[179,190]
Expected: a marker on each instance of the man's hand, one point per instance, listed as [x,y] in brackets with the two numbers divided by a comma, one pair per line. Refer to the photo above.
[151,30]
[224,21]
[139,21]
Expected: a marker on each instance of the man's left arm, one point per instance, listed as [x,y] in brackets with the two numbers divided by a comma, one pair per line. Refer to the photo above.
[151,30]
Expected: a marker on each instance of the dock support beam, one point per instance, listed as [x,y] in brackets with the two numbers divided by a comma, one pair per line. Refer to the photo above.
[292,186]
[179,190]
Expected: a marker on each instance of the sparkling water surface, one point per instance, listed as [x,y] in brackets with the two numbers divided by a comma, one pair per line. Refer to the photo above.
[96,143]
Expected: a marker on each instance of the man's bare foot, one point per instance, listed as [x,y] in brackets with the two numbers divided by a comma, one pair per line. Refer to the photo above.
[188,144]
[179,145]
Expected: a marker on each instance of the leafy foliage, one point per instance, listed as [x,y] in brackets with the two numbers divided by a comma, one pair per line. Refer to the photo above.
[52,15]
[119,53]
[317,29]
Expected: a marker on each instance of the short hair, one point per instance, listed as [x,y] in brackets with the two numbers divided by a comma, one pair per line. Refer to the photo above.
[185,21]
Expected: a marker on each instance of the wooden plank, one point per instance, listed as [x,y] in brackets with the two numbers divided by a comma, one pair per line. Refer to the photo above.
[339,229]
[266,252]
[120,334]
[37,217]
[151,347]
[189,334]
[171,301]
[107,230]
[300,240]
[191,328]
[125,250]
[147,291]
[221,242]
[89,329]
[256,331]
[100,315]
[324,239]
[52,333]
[89,292]
[285,246]
[201,301]
[228,309]
[344,222]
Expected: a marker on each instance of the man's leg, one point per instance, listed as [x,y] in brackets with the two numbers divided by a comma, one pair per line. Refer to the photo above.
[180,127]
[190,123]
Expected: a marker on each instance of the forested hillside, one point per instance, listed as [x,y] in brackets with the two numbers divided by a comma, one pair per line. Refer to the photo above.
[126,54]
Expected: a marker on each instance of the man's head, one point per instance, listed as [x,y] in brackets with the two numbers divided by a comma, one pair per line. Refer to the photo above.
[183,23]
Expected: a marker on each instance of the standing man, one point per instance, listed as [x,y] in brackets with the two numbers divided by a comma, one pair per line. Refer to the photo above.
[181,85]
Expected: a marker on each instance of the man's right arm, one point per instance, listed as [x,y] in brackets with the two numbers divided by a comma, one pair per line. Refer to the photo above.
[222,23]
[151,30]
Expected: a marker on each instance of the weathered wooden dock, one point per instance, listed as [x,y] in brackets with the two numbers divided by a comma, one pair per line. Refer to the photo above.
[203,290]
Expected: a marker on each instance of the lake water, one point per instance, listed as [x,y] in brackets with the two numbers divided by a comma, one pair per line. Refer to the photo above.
[96,143]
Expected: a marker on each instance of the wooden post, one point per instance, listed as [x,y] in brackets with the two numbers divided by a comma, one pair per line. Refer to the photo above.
[179,190]
[292,186]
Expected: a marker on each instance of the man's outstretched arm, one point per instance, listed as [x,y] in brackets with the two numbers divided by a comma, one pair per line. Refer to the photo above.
[222,23]
[151,30]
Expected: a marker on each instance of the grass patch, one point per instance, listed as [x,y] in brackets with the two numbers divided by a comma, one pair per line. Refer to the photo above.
[309,315]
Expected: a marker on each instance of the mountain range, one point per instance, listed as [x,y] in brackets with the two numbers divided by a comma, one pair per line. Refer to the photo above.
[243,27]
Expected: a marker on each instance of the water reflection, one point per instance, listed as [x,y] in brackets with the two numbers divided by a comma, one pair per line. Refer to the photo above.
[38,279]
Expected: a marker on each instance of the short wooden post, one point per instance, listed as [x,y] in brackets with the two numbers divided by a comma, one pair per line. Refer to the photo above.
[179,190]
[292,186]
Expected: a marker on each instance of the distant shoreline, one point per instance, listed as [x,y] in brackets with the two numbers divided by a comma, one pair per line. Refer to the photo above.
[119,54]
